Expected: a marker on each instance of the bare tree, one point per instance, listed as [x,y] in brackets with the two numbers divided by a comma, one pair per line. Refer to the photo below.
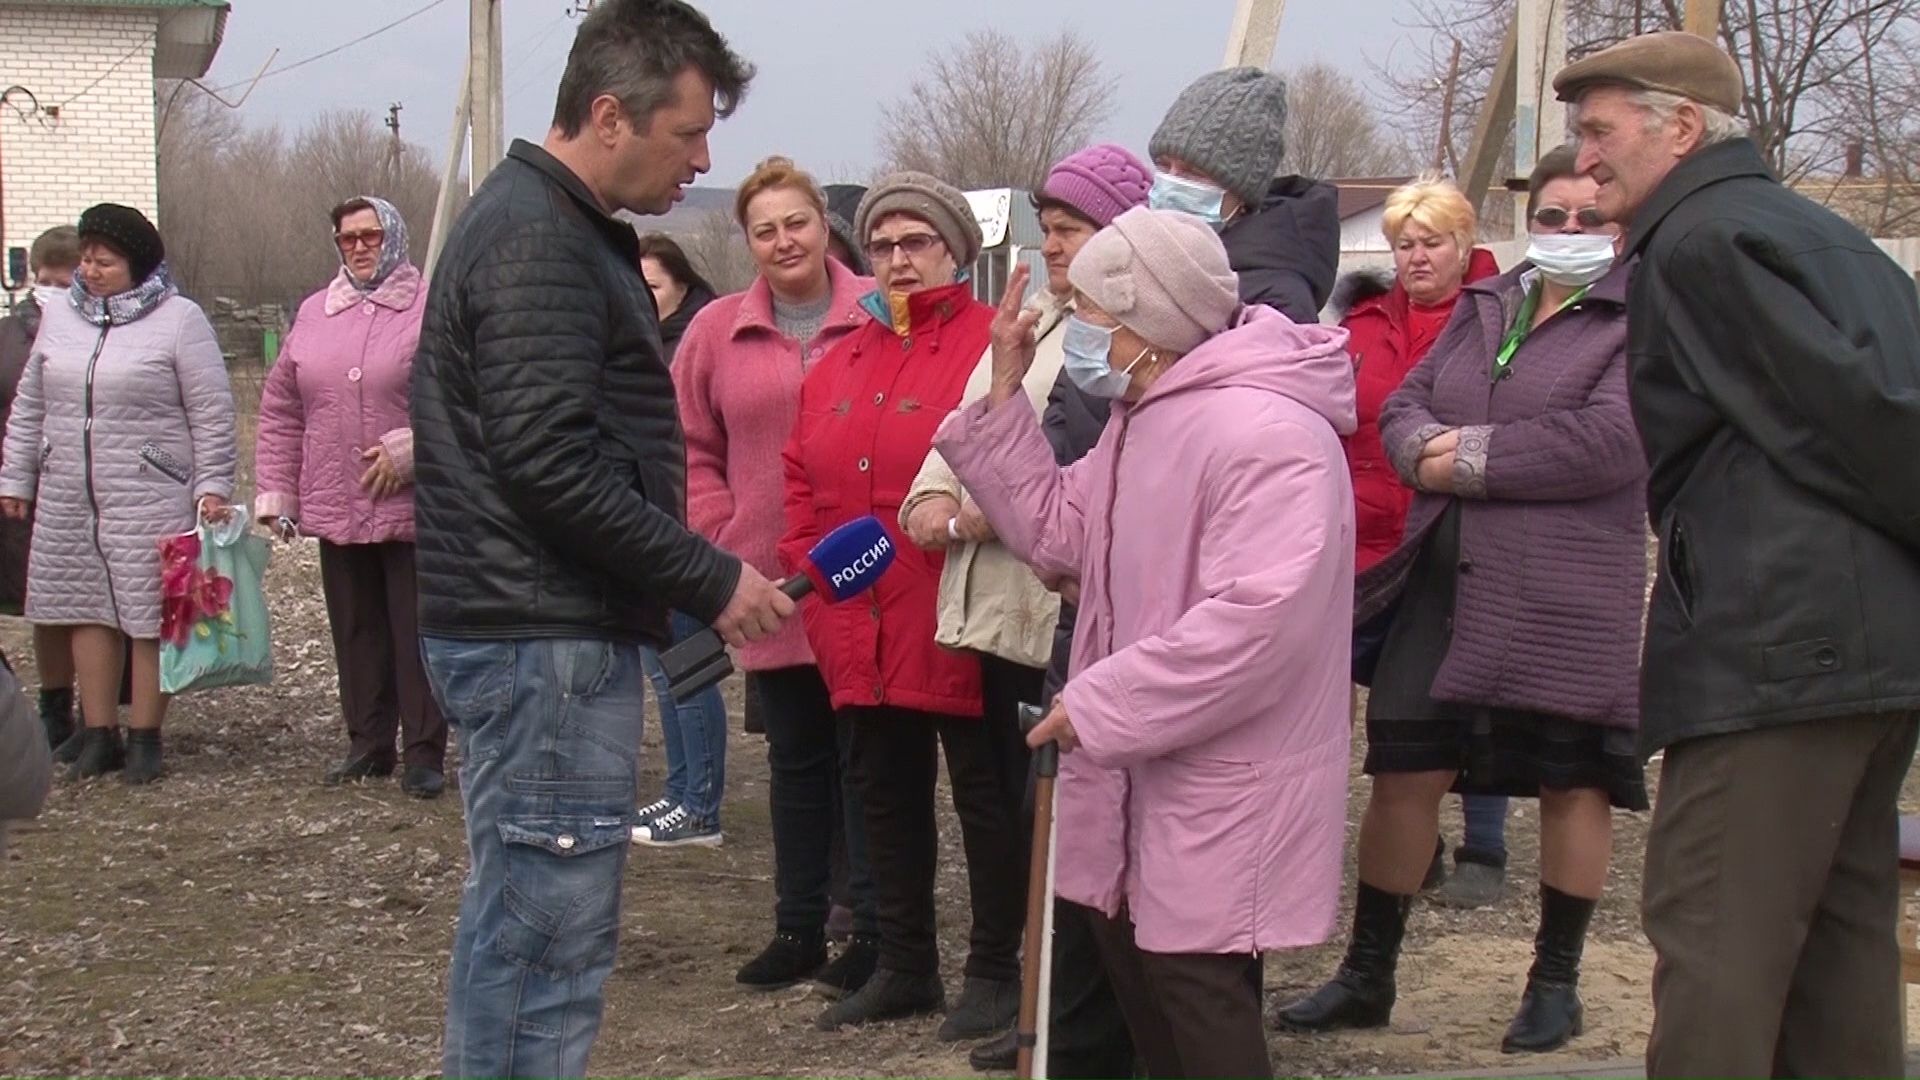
[1332,130]
[989,113]
[1806,63]
[718,250]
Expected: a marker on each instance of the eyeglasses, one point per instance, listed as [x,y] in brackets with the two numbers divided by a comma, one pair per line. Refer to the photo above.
[372,238]
[1553,217]
[914,244]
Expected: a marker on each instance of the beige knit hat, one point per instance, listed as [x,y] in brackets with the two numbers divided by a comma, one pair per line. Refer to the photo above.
[930,199]
[1163,274]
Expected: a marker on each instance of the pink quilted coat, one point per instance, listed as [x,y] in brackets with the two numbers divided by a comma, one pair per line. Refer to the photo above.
[1211,531]
[339,387]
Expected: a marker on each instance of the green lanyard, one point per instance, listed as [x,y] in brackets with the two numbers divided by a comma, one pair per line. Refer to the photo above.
[1523,325]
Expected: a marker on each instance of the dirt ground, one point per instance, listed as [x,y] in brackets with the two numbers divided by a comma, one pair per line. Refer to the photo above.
[239,919]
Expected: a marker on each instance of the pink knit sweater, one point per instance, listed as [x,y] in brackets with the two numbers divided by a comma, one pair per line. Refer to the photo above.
[738,382]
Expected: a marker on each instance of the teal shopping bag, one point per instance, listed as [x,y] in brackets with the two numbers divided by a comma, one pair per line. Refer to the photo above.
[213,612]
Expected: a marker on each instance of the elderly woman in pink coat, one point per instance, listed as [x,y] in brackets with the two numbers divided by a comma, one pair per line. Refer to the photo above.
[1202,795]
[335,461]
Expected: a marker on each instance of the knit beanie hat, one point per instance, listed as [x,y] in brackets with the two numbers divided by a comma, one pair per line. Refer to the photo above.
[843,202]
[128,232]
[933,201]
[1231,126]
[1102,181]
[1163,274]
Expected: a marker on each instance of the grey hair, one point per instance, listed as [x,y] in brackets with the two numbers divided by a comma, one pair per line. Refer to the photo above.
[1715,126]
[635,50]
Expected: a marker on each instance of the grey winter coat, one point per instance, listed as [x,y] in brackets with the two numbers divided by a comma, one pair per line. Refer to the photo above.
[162,434]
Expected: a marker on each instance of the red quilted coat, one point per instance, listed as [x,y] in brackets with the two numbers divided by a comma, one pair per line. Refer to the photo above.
[868,411]
[1388,337]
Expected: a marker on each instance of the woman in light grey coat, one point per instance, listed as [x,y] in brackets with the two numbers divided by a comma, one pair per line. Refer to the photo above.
[122,429]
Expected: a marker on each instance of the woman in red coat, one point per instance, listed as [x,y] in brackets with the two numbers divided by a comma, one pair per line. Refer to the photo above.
[868,411]
[1431,226]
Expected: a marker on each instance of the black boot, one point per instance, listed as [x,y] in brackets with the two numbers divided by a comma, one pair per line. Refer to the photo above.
[100,753]
[889,995]
[1361,993]
[143,756]
[56,715]
[786,960]
[996,1055]
[851,969]
[986,1007]
[1550,1010]
[69,752]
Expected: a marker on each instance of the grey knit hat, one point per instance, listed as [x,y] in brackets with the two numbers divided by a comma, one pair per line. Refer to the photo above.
[930,199]
[1231,126]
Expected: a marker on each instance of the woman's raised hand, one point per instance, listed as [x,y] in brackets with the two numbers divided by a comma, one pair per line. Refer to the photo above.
[1012,336]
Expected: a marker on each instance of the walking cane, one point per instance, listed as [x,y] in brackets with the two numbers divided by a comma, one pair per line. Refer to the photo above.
[1037,963]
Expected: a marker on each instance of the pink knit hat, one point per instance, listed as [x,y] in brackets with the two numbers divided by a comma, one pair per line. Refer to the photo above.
[1163,274]
[1102,181]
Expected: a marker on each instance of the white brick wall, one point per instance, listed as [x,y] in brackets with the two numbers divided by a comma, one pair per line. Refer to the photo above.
[101,149]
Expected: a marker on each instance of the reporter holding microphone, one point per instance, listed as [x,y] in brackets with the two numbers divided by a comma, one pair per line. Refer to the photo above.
[1201,802]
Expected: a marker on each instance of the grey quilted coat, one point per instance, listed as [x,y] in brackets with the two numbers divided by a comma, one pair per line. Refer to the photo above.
[106,493]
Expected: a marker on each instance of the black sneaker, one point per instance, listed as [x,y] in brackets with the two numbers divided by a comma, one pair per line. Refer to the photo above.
[423,783]
[889,995]
[787,960]
[987,1007]
[355,769]
[851,969]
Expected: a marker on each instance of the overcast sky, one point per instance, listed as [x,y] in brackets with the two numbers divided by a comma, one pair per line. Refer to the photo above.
[826,66]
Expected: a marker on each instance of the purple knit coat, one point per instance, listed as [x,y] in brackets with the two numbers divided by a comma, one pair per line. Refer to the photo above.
[1550,474]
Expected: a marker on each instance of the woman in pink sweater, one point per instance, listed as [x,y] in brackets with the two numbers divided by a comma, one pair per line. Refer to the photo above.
[334,460]
[738,374]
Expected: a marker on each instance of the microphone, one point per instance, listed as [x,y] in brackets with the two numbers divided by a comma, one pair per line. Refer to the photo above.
[840,567]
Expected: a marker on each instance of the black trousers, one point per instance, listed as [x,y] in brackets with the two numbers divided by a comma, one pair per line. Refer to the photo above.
[1004,687]
[372,608]
[895,756]
[1087,1036]
[812,801]
[1191,1014]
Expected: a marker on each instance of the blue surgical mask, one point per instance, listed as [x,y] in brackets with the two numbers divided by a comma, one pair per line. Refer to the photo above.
[1088,350]
[1202,200]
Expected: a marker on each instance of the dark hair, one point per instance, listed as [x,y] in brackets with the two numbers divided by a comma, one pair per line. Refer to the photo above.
[351,206]
[634,50]
[1043,203]
[664,250]
[1559,163]
[58,247]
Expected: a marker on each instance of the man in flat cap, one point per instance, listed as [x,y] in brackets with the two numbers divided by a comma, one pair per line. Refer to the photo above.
[1775,373]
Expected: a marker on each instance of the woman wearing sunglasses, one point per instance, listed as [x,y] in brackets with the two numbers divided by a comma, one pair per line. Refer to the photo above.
[1511,665]
[868,410]
[334,461]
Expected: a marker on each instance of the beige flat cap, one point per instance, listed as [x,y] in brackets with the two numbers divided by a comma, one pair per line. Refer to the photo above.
[1669,61]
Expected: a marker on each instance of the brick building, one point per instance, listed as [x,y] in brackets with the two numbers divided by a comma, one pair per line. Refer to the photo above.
[77,108]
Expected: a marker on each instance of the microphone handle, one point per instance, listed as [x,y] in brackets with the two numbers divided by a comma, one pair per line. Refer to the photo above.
[797,587]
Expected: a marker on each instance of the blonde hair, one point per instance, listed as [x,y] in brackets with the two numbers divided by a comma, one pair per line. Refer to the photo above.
[777,172]
[1432,202]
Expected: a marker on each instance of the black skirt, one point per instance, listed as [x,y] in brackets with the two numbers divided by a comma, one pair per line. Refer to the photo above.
[1495,751]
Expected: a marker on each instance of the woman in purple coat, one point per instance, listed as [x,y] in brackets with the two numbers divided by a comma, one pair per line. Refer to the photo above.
[1511,666]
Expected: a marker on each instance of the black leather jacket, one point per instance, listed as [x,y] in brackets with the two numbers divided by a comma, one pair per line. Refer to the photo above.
[1775,375]
[550,472]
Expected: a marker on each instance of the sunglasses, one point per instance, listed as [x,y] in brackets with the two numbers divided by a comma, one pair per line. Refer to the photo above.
[914,244]
[372,238]
[1553,217]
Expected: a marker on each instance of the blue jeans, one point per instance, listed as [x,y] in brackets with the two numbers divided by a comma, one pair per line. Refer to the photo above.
[549,734]
[1486,839]
[694,734]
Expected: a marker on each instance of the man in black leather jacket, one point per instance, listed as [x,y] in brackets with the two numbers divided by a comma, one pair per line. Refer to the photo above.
[549,508]
[1775,378]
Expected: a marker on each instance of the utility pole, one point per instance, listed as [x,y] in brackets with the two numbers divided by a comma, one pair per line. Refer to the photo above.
[1539,116]
[1443,154]
[394,146]
[1703,18]
[456,156]
[486,98]
[1256,29]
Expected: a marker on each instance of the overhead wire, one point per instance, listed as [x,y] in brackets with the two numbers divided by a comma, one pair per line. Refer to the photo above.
[124,57]
[342,47]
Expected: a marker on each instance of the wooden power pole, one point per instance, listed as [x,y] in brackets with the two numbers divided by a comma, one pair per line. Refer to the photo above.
[486,98]
[1256,29]
[394,146]
[1703,17]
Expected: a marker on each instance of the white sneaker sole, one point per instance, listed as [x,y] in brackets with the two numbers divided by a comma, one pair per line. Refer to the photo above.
[644,836]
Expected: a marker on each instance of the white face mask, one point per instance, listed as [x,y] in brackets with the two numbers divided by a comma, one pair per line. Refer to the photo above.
[49,296]
[1573,260]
